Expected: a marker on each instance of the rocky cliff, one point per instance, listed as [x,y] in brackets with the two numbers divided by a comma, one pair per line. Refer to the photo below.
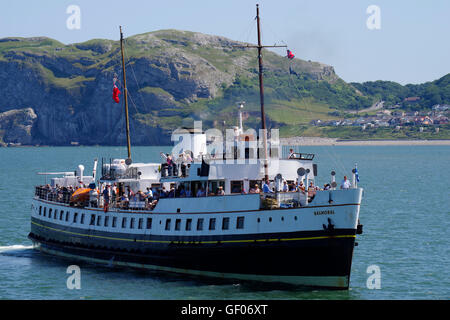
[56,94]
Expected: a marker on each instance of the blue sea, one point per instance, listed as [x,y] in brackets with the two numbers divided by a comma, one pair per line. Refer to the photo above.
[405,213]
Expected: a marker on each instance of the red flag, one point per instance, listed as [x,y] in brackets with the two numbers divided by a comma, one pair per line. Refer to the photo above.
[116,93]
[290,55]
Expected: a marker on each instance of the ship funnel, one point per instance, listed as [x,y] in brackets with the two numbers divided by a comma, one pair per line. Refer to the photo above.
[80,172]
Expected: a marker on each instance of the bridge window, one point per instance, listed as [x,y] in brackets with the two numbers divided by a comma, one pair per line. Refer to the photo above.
[240,223]
[237,186]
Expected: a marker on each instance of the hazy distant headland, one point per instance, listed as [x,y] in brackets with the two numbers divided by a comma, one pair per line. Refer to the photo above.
[56,94]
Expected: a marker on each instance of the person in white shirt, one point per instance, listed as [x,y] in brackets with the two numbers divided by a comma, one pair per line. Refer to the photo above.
[285,186]
[291,154]
[345,183]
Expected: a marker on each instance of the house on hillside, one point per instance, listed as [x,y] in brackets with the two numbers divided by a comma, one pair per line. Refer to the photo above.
[411,99]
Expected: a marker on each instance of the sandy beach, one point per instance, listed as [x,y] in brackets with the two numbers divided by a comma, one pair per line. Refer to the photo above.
[315,141]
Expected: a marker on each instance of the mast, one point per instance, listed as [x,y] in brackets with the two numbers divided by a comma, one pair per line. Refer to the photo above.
[126,100]
[261,96]
[261,93]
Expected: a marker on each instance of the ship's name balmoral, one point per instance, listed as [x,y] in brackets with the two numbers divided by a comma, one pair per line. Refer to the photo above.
[198,310]
[316,213]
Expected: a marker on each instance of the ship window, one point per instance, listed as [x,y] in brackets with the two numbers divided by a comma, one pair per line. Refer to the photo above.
[99,220]
[67,215]
[50,213]
[132,223]
[82,218]
[75,217]
[141,222]
[40,210]
[270,219]
[240,223]
[200,224]
[177,224]
[92,220]
[212,224]
[225,223]
[61,213]
[282,218]
[114,222]
[188,224]
[106,221]
[149,223]
[167,224]
[55,216]
[124,222]
[295,218]
[237,186]
[45,211]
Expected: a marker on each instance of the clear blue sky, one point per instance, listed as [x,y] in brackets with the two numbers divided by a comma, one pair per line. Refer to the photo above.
[412,45]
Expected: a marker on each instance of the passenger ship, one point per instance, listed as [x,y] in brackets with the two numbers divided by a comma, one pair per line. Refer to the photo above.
[296,238]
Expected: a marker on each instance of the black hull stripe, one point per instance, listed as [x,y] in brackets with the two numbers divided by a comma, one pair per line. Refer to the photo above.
[331,259]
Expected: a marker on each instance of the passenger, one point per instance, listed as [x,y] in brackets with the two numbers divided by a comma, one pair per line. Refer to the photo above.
[93,197]
[188,157]
[149,194]
[301,186]
[291,154]
[255,189]
[326,186]
[311,189]
[141,196]
[171,193]
[182,192]
[124,201]
[106,198]
[285,186]
[220,191]
[188,193]
[345,183]
[201,192]
[266,188]
[130,193]
[163,193]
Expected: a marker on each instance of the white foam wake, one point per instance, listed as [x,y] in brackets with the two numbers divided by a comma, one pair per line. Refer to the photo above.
[14,247]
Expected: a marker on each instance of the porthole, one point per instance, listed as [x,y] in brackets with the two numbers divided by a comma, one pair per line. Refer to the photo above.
[270,219]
